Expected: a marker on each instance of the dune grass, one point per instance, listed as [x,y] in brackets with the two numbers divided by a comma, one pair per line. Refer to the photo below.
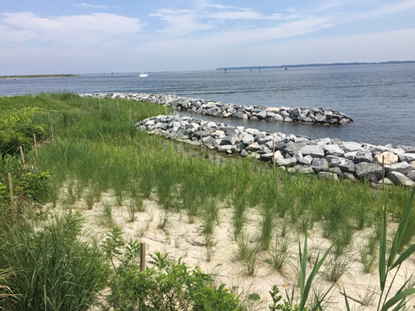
[97,150]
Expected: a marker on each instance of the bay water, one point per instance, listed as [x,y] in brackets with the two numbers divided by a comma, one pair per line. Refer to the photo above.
[380,98]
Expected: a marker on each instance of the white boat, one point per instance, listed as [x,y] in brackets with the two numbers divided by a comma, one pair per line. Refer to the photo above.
[143,75]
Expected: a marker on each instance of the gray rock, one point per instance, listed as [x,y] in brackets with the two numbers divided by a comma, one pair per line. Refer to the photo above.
[253,147]
[406,157]
[288,119]
[248,139]
[348,176]
[227,148]
[351,146]
[369,171]
[328,175]
[411,175]
[210,141]
[304,169]
[363,156]
[161,126]
[243,153]
[312,150]
[307,160]
[228,140]
[294,147]
[401,167]
[400,179]
[319,165]
[286,162]
[344,164]
[278,156]
[334,150]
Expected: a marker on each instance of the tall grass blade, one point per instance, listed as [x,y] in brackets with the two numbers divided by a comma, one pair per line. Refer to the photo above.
[404,256]
[346,300]
[303,262]
[397,298]
[401,230]
[307,288]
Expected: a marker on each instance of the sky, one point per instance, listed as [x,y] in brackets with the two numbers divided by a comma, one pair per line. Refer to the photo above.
[57,36]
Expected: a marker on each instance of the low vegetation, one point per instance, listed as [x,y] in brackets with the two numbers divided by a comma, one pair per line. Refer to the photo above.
[89,148]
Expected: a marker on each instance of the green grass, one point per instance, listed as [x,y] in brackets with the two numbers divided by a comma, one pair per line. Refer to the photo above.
[96,150]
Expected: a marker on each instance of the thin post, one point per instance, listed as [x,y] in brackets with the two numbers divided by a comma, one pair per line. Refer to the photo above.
[143,257]
[201,141]
[273,154]
[34,142]
[22,156]
[51,131]
[383,172]
[129,115]
[11,191]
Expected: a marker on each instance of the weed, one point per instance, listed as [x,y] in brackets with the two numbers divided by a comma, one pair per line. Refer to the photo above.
[279,254]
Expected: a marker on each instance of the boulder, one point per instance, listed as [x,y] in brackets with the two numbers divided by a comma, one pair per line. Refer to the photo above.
[370,171]
[363,156]
[334,150]
[344,164]
[327,175]
[286,162]
[253,147]
[406,157]
[390,158]
[350,146]
[401,167]
[312,150]
[400,179]
[319,165]
[248,139]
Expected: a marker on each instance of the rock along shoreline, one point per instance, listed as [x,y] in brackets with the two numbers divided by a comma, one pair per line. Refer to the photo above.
[326,157]
[227,110]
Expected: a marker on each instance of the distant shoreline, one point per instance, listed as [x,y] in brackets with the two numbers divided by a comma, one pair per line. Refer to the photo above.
[317,65]
[37,76]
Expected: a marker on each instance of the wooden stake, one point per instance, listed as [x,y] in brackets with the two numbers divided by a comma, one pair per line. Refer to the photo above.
[201,141]
[383,172]
[34,142]
[51,131]
[273,154]
[129,115]
[22,156]
[143,257]
[11,191]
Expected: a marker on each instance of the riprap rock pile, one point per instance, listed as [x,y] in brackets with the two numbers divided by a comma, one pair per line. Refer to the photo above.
[227,110]
[329,158]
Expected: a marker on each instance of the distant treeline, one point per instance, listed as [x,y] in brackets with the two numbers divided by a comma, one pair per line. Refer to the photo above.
[317,65]
[36,76]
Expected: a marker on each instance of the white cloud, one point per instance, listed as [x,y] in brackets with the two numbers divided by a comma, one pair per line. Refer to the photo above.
[76,29]
[86,5]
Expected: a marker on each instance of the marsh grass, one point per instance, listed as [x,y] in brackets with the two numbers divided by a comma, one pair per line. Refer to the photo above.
[279,254]
[337,266]
[107,219]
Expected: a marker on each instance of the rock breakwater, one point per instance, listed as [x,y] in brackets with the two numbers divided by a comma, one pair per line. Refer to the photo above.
[328,158]
[227,110]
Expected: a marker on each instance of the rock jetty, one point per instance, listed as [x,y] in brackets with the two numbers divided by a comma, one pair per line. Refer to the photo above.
[227,110]
[328,158]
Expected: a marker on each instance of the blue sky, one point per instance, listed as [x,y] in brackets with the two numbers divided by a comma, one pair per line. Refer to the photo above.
[55,36]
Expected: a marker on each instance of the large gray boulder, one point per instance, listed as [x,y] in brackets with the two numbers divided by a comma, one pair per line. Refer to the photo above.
[248,139]
[363,156]
[344,164]
[312,150]
[407,157]
[401,167]
[286,162]
[319,165]
[351,146]
[400,179]
[370,171]
[334,150]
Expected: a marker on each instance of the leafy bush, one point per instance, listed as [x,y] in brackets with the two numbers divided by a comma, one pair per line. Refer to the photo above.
[167,286]
[17,129]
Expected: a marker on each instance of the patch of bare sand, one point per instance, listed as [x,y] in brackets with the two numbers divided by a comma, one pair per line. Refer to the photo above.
[180,238]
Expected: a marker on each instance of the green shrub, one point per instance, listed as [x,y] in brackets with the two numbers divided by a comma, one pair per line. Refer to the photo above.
[167,286]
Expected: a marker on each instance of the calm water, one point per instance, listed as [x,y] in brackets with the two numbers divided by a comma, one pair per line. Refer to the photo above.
[380,98]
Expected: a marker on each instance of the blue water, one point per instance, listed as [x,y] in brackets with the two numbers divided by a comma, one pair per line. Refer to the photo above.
[380,98]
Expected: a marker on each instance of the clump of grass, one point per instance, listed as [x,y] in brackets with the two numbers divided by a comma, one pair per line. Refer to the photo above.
[337,267]
[163,220]
[107,218]
[279,254]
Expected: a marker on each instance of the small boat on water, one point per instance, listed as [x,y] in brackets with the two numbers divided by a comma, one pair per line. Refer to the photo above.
[143,75]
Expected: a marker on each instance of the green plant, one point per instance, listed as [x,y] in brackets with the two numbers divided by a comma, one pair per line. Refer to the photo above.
[51,266]
[167,286]
[279,254]
[337,266]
